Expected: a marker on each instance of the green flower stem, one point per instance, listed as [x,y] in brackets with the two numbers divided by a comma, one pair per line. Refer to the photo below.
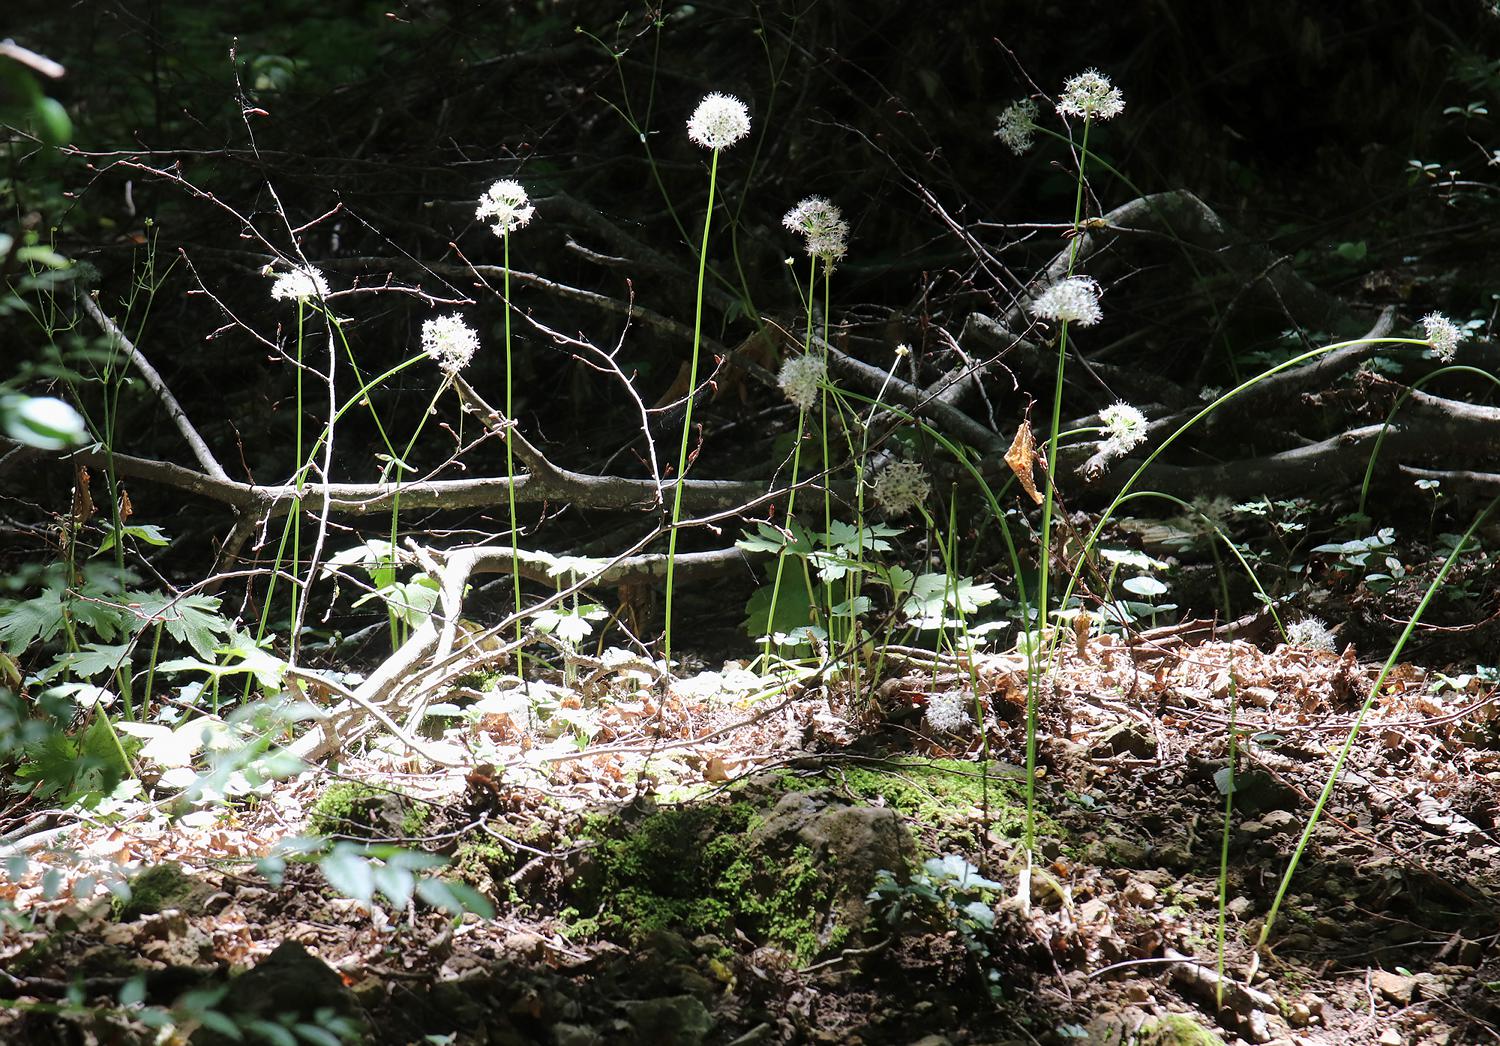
[510,463]
[1045,552]
[687,419]
[1364,710]
[791,499]
[1364,487]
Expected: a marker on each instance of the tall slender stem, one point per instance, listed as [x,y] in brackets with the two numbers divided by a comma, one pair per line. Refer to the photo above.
[687,417]
[510,467]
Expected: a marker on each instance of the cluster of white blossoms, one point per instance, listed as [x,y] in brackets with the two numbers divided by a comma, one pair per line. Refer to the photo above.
[800,378]
[506,204]
[450,341]
[948,712]
[1016,127]
[1310,634]
[1091,96]
[1442,334]
[900,488]
[1072,300]
[719,121]
[822,227]
[1124,427]
[299,285]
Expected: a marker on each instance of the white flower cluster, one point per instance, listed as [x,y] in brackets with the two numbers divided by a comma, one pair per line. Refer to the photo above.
[299,285]
[719,121]
[1072,300]
[948,712]
[1442,334]
[1124,427]
[1310,634]
[900,488]
[1091,96]
[800,378]
[1016,127]
[450,341]
[822,227]
[506,204]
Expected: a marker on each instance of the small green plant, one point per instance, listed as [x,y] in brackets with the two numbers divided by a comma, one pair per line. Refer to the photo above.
[947,893]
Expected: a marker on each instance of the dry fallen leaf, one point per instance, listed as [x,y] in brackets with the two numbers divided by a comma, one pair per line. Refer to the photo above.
[1022,457]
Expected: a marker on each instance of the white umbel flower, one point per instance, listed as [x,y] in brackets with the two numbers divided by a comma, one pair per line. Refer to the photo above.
[1442,334]
[1310,634]
[450,341]
[1091,96]
[822,226]
[1072,300]
[948,712]
[900,488]
[299,285]
[1124,427]
[800,378]
[1016,127]
[719,121]
[506,204]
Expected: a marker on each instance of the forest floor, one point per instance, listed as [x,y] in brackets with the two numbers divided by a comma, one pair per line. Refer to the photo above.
[707,870]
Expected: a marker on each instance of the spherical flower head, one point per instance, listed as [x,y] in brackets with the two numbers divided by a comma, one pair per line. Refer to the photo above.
[1073,300]
[1091,96]
[1310,634]
[1442,334]
[822,226]
[1016,127]
[506,204]
[900,488]
[450,341]
[800,378]
[299,285]
[1124,427]
[719,121]
[948,713]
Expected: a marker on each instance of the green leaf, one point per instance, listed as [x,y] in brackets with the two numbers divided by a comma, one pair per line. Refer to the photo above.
[455,897]
[794,605]
[269,1031]
[150,533]
[396,883]
[24,622]
[349,873]
[1144,586]
[95,659]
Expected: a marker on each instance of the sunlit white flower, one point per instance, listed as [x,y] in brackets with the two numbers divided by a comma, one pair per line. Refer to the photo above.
[1016,127]
[948,712]
[1124,427]
[719,121]
[1091,95]
[800,378]
[299,285]
[506,204]
[1073,300]
[1442,334]
[822,225]
[1310,634]
[450,341]
[900,488]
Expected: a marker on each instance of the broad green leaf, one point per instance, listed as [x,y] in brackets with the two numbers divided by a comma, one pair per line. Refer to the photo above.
[455,897]
[150,533]
[349,873]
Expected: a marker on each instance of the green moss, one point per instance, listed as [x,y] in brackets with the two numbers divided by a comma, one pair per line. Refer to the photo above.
[688,870]
[945,792]
[158,888]
[353,809]
[1176,1030]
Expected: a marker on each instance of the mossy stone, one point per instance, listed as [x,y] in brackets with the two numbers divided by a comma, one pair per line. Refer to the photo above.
[1176,1030]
